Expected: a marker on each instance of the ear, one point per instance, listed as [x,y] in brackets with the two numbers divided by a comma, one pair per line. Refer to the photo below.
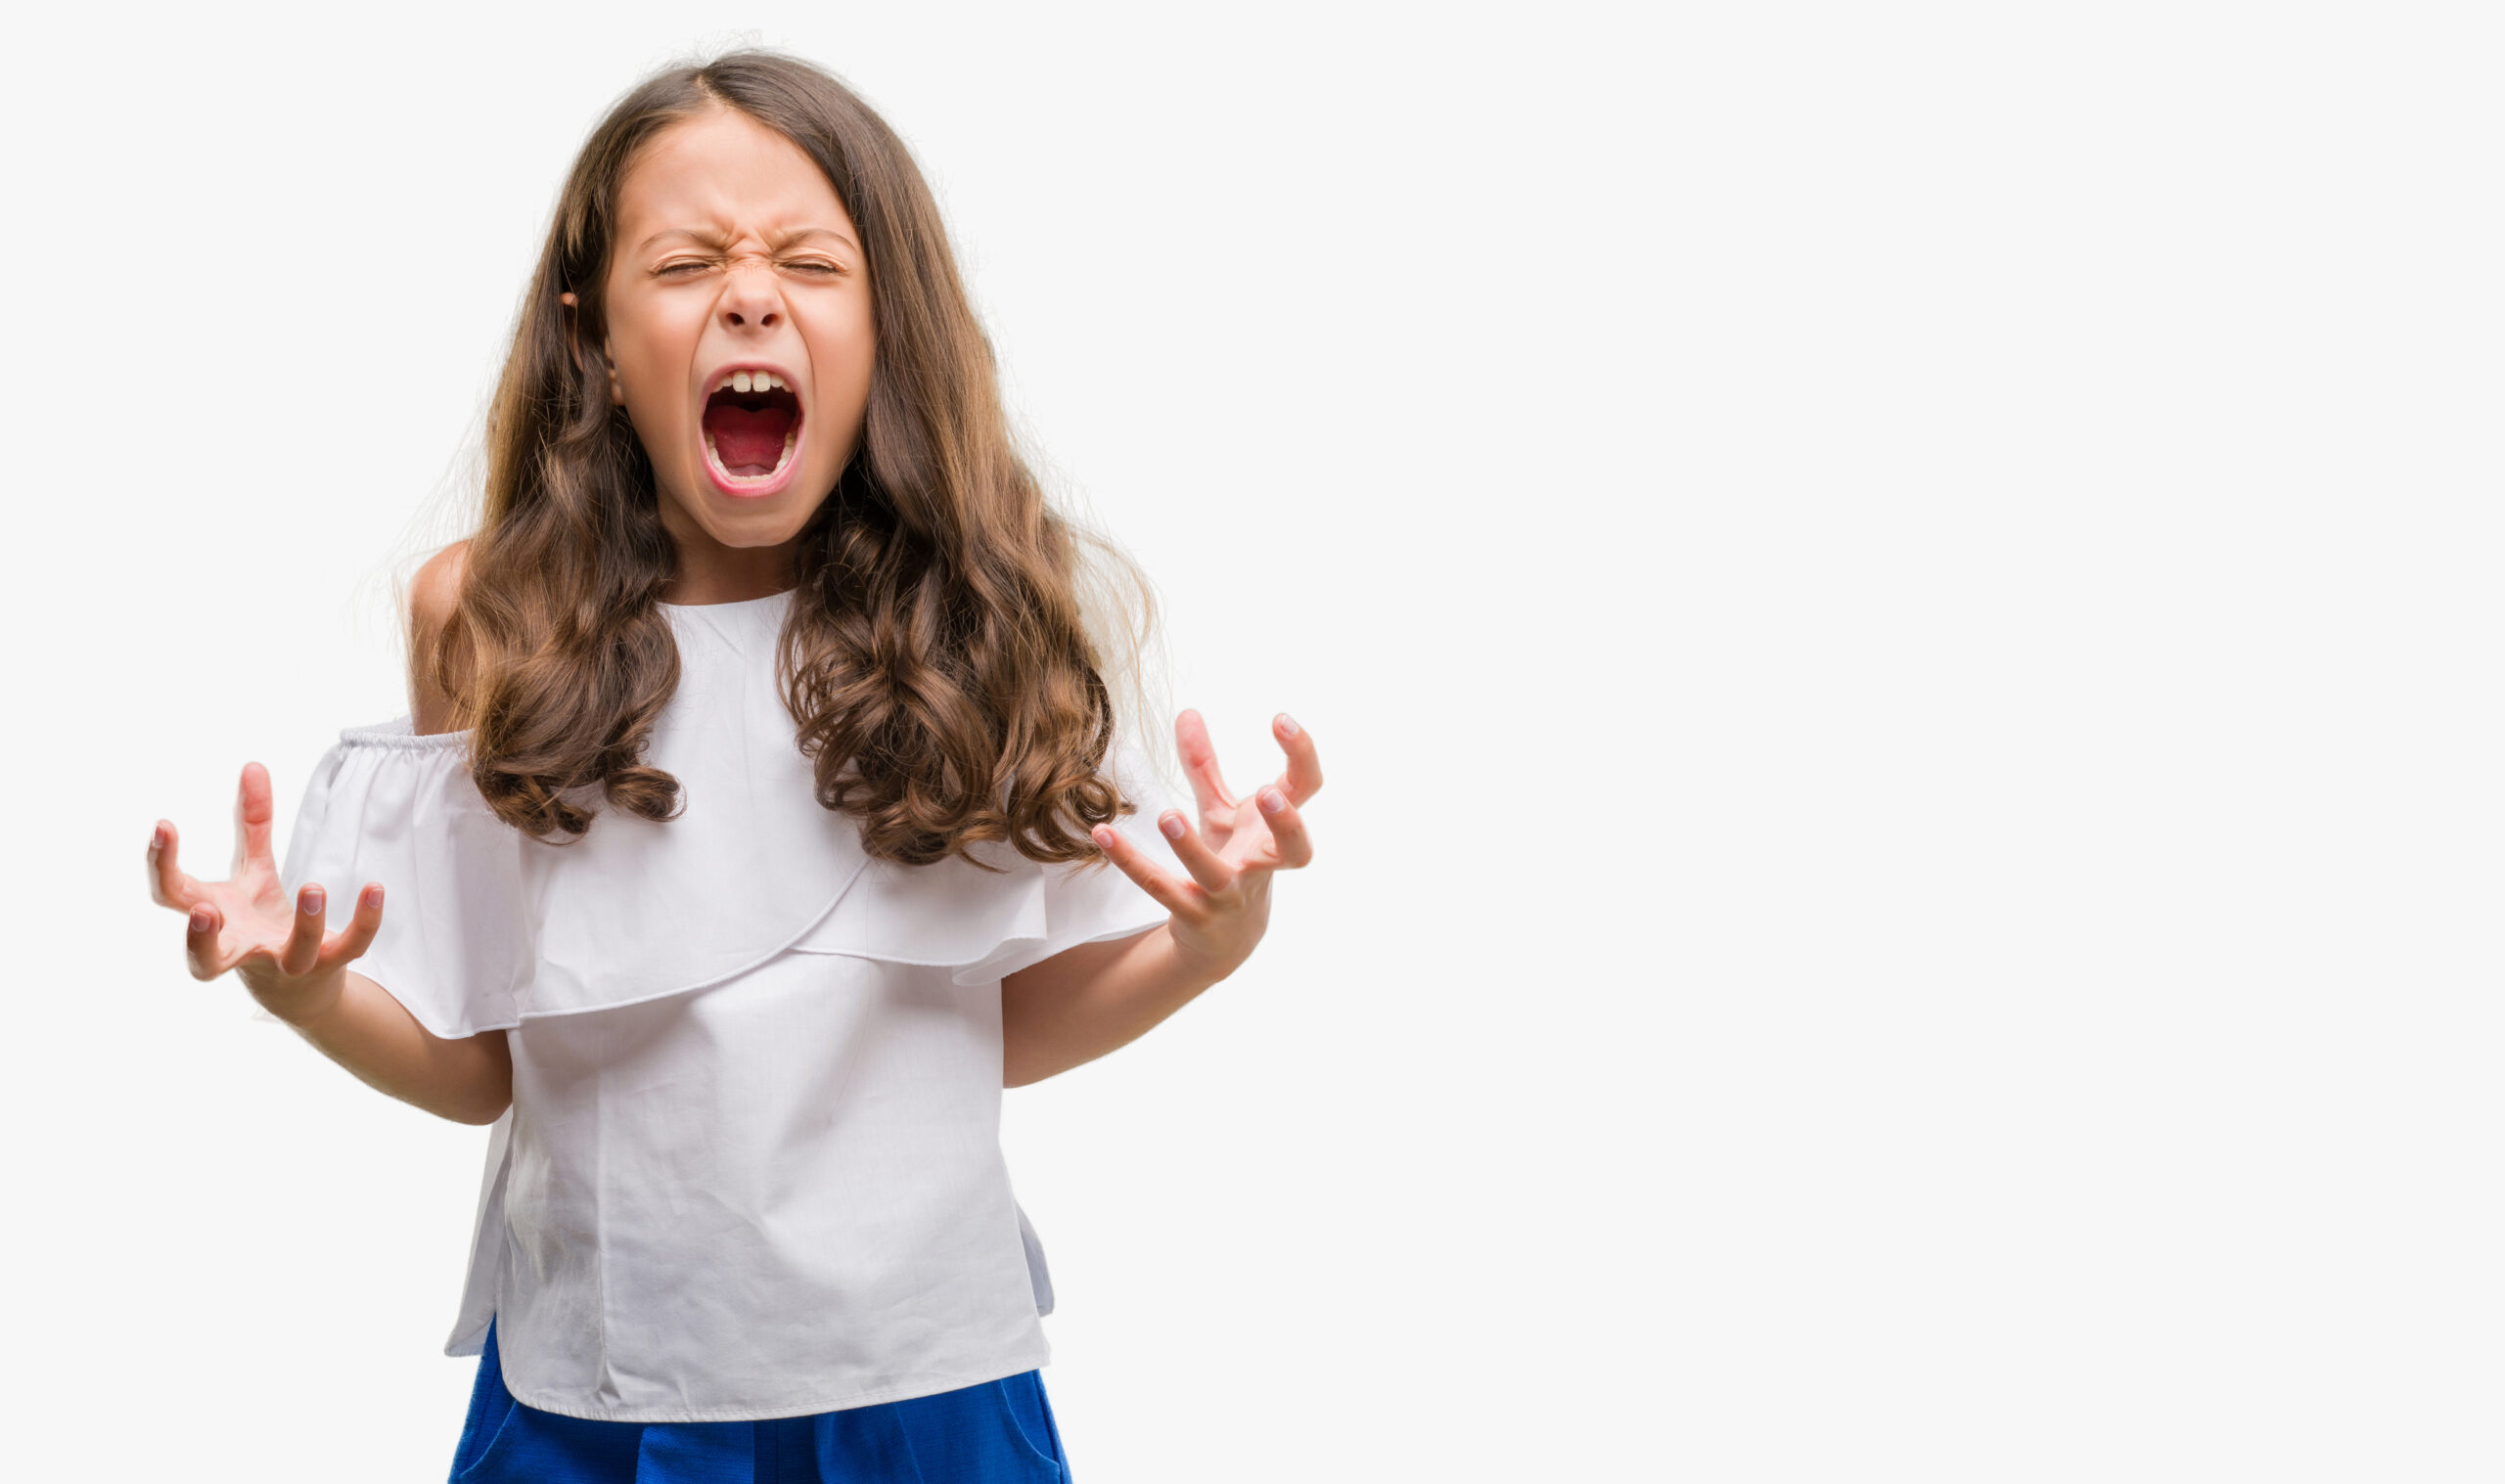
[574,349]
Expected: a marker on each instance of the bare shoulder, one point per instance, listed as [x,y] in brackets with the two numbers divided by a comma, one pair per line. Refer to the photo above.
[433,593]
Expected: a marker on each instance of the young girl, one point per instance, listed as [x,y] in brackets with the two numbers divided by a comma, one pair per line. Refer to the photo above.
[746,834]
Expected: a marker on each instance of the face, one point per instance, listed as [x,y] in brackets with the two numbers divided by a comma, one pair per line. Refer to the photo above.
[740,331]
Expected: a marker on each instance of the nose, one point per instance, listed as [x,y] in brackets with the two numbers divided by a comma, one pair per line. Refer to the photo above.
[752,297]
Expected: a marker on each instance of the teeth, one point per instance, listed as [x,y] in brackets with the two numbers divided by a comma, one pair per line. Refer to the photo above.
[755,380]
[739,380]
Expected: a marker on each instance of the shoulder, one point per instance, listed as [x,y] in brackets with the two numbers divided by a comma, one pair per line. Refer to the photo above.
[433,593]
[436,589]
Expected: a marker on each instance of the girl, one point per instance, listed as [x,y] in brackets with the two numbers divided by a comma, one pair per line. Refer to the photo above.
[746,834]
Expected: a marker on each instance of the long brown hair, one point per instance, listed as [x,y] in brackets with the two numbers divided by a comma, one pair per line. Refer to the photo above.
[936,656]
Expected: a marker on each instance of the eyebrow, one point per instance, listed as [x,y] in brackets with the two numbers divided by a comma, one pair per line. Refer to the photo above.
[714,240]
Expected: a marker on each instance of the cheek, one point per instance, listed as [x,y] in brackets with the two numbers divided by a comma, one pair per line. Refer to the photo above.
[653,393]
[650,357]
[846,356]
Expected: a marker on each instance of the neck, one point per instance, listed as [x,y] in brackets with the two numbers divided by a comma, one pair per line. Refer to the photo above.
[729,573]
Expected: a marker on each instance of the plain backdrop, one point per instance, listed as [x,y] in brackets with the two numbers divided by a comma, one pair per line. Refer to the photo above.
[1900,605]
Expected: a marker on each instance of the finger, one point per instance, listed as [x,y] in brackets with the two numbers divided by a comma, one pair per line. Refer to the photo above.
[200,942]
[167,887]
[352,941]
[302,949]
[1207,867]
[253,816]
[1287,828]
[1303,776]
[1200,764]
[1169,893]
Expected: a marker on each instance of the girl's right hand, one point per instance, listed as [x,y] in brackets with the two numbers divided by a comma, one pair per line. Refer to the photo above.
[247,924]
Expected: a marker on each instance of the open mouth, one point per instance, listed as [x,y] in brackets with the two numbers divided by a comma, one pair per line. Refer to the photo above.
[751,425]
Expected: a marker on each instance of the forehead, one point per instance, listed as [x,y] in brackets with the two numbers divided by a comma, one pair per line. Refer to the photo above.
[722,173]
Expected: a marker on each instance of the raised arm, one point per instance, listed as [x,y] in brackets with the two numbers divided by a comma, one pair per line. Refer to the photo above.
[1094,998]
[362,1028]
[298,972]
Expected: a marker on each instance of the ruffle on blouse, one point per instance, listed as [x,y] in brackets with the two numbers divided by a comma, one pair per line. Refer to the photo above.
[484,927]
[458,938]
[983,926]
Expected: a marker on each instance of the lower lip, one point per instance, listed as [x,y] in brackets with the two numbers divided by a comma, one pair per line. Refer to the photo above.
[753,489]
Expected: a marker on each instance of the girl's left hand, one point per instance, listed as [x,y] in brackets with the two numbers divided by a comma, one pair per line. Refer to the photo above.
[1222,910]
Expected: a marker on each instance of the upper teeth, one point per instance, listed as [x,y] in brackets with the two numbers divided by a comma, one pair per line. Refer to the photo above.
[762,381]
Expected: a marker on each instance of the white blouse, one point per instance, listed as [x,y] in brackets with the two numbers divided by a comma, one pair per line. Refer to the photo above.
[753,1164]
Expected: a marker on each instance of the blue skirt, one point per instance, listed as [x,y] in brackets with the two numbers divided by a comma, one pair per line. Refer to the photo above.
[998,1432]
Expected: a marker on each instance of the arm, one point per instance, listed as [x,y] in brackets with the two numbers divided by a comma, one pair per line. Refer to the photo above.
[301,974]
[361,1028]
[356,1023]
[1097,997]
[1083,1002]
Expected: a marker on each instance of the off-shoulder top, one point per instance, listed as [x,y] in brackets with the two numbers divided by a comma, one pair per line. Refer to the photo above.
[752,1167]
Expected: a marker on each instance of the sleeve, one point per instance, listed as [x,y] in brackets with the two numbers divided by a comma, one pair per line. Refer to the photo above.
[457,940]
[983,926]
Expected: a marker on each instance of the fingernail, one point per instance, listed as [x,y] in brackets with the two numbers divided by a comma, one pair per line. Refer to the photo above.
[199,919]
[374,896]
[1286,724]
[1172,824]
[155,839]
[1272,801]
[312,902]
[1102,836]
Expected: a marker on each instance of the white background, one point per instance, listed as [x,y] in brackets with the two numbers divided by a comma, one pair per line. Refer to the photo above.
[1900,604]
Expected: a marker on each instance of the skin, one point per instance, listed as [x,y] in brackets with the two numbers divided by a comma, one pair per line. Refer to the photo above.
[731,247]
